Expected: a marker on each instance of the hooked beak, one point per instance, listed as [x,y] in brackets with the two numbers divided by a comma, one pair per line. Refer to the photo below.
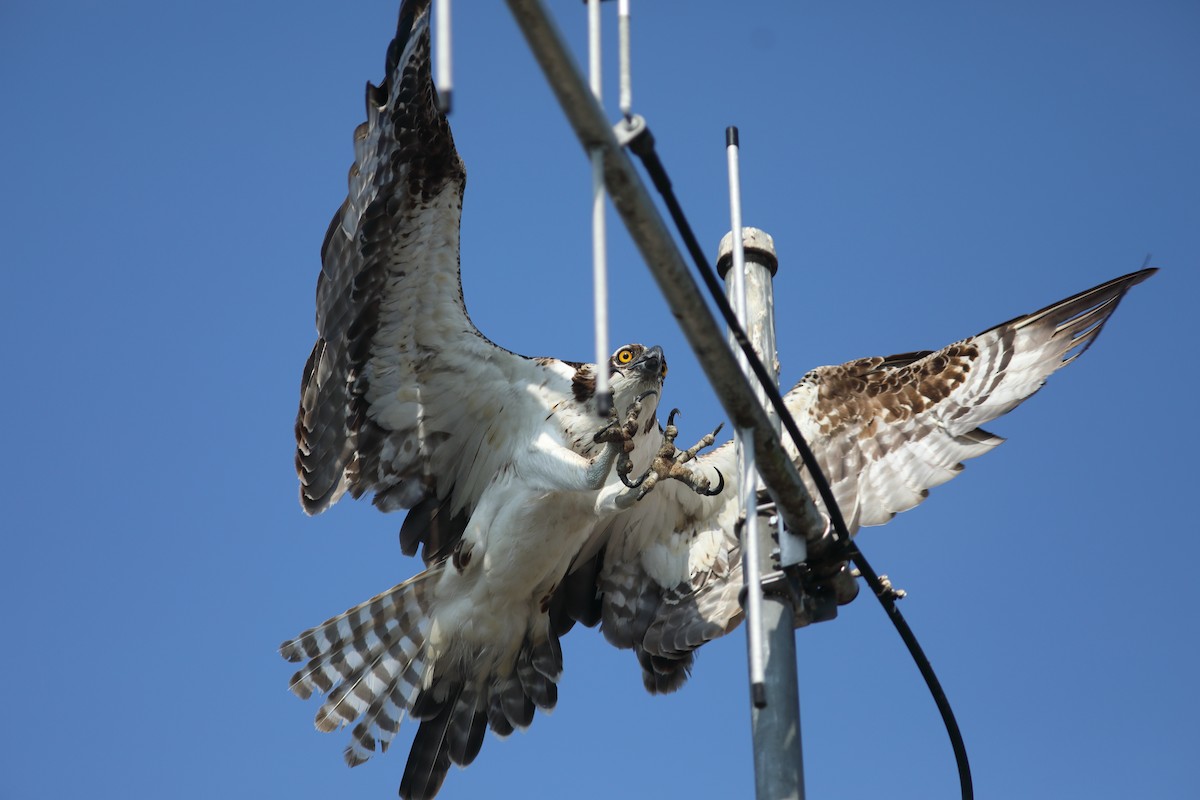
[650,362]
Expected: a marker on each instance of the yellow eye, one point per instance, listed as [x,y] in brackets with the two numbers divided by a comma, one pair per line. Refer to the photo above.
[624,356]
[664,372]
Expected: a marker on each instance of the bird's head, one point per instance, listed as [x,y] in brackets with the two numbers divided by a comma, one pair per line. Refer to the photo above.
[635,369]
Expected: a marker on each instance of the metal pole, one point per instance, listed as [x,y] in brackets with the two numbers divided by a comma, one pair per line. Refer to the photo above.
[674,279]
[775,723]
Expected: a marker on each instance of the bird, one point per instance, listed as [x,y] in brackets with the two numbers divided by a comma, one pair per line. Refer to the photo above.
[531,511]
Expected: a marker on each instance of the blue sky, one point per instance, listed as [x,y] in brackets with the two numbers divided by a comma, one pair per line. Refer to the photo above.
[927,170]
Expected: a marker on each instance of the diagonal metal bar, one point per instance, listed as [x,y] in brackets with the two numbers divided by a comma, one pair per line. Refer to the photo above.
[653,239]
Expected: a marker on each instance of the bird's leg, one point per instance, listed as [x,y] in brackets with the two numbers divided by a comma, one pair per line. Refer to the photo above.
[619,436]
[668,463]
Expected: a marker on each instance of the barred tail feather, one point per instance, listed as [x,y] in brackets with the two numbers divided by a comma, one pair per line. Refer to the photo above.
[468,724]
[453,735]
[350,629]
[429,759]
[370,660]
[457,710]
[535,684]
[380,662]
[383,718]
[376,678]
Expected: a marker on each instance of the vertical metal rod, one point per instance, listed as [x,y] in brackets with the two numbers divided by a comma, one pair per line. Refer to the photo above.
[599,232]
[594,79]
[626,96]
[747,470]
[600,285]
[445,83]
[775,703]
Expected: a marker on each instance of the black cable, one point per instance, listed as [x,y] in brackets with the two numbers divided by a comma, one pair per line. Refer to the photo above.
[887,598]
[642,146]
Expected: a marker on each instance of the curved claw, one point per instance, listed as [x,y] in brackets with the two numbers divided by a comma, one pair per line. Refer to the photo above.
[645,394]
[720,485]
[717,430]
[633,484]
[671,417]
[596,437]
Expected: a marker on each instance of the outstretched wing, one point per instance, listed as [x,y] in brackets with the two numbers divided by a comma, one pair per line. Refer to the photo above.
[402,397]
[885,431]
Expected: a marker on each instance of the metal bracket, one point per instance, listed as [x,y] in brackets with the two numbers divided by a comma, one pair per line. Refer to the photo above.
[815,585]
[627,130]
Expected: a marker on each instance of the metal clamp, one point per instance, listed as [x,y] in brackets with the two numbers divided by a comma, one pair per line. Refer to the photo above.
[816,585]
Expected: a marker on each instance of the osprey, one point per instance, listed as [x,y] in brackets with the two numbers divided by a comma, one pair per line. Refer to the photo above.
[519,496]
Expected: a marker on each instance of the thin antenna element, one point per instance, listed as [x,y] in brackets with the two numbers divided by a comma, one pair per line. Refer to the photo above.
[626,96]
[747,469]
[445,83]
[599,234]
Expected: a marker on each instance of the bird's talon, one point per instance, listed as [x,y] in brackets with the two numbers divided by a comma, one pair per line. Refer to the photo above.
[633,484]
[604,434]
[720,485]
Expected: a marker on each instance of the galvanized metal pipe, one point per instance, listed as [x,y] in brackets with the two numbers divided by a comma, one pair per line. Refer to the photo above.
[775,722]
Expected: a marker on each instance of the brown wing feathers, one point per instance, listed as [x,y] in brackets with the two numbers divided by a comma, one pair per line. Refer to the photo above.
[889,428]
